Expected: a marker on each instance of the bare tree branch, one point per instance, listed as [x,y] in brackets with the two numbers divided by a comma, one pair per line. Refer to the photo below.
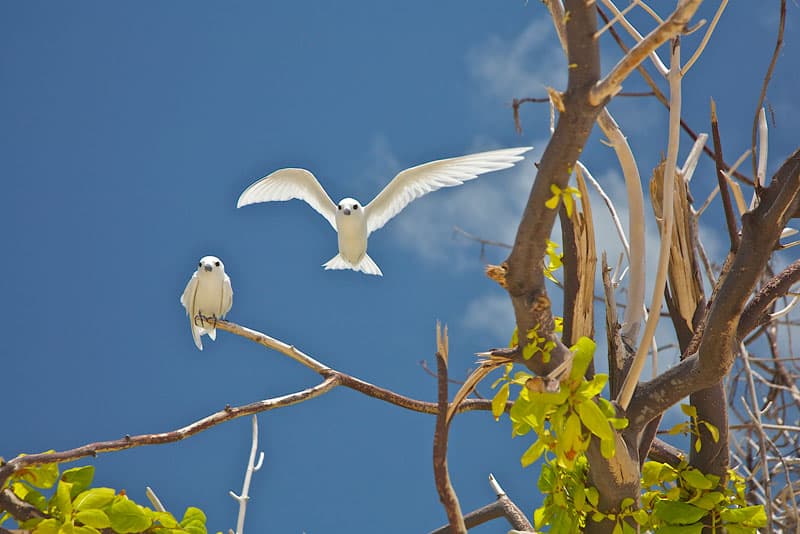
[761,229]
[672,26]
[730,218]
[502,507]
[755,314]
[332,377]
[767,77]
[525,276]
[447,495]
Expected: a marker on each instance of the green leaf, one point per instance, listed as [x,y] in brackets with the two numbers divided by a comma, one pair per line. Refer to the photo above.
[547,479]
[607,448]
[749,516]
[126,516]
[651,471]
[48,526]
[514,338]
[674,529]
[80,477]
[680,428]
[499,401]
[165,519]
[592,495]
[579,498]
[714,431]
[590,389]
[689,410]
[570,439]
[194,521]
[85,530]
[40,476]
[594,420]
[707,501]
[538,517]
[67,528]
[529,350]
[583,354]
[569,203]
[641,517]
[94,498]
[93,518]
[694,478]
[678,513]
[533,453]
[698,444]
[29,495]
[552,202]
[738,529]
[62,500]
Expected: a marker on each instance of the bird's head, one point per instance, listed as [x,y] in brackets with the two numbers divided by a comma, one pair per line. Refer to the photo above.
[209,265]
[349,207]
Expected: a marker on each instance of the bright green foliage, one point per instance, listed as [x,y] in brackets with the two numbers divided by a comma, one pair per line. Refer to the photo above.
[565,419]
[567,195]
[683,499]
[554,261]
[691,426]
[74,507]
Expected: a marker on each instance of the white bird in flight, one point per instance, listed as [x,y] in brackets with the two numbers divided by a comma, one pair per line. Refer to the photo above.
[354,222]
[207,297]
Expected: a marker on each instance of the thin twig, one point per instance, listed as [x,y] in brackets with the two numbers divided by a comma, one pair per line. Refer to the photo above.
[154,500]
[502,507]
[663,99]
[674,25]
[252,467]
[756,417]
[767,77]
[444,487]
[660,67]
[706,37]
[763,147]
[730,218]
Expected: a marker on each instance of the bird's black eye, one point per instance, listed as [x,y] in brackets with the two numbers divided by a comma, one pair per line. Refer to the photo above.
[200,264]
[355,206]
[216,263]
[340,207]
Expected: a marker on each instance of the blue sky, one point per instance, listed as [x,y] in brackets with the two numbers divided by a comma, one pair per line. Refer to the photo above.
[128,131]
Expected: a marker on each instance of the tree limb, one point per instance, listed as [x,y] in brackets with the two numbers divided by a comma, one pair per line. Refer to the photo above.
[674,25]
[332,377]
[525,277]
[447,495]
[761,229]
[502,507]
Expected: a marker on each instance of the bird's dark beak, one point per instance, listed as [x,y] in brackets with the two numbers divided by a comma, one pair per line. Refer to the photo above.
[346,211]
[207,267]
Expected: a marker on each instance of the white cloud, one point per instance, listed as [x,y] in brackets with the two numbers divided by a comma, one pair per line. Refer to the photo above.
[491,313]
[518,66]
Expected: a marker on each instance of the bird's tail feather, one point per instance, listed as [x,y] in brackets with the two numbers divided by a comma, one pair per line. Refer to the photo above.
[366,265]
[196,333]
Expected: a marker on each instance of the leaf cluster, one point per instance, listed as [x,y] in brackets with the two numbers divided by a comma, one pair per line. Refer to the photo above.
[683,500]
[74,507]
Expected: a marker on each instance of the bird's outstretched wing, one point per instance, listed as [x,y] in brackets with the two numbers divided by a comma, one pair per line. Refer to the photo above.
[412,183]
[187,299]
[286,184]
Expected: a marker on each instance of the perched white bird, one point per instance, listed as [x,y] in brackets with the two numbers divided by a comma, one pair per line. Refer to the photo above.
[354,222]
[207,297]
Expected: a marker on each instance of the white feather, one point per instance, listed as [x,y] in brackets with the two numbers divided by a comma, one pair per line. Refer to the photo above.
[415,182]
[286,184]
